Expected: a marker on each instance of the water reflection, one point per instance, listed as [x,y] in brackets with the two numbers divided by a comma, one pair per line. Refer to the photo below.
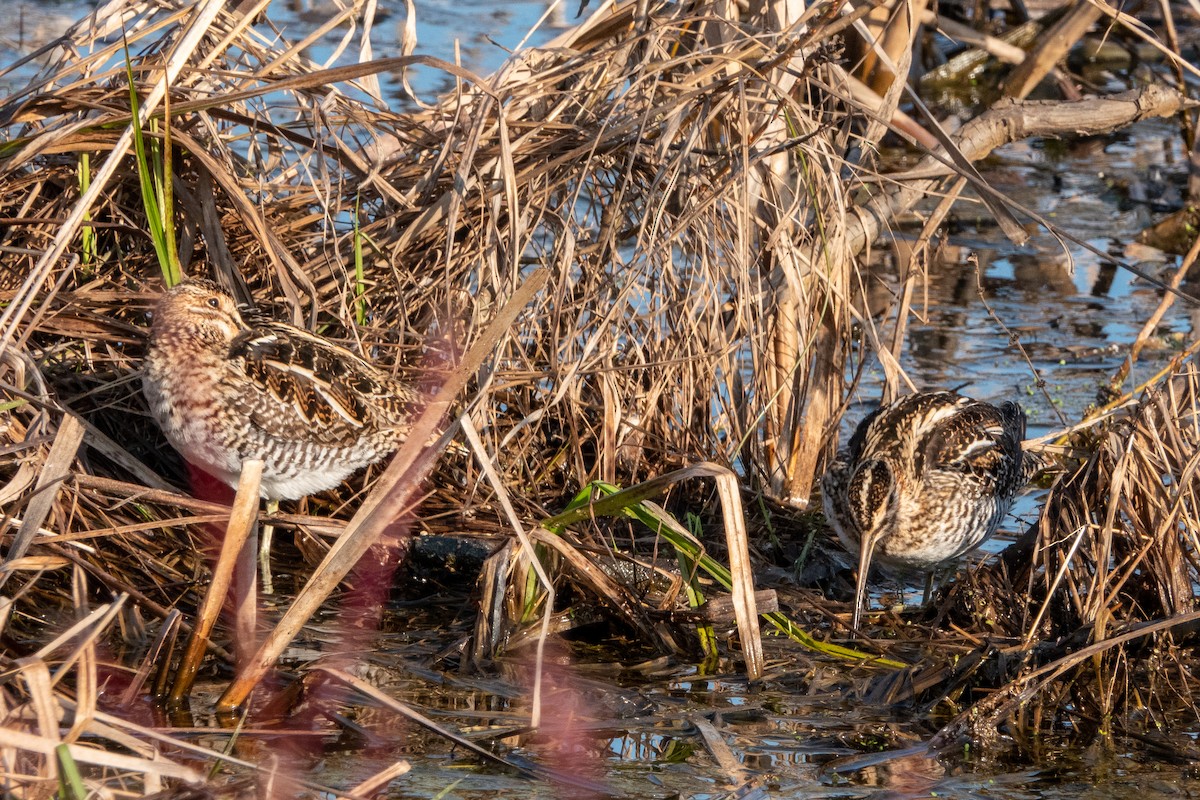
[1075,313]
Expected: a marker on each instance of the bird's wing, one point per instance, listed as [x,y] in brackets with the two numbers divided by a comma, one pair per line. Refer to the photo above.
[979,438]
[300,386]
[895,427]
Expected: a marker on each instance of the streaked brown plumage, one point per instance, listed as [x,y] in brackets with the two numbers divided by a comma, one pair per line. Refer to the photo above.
[226,389]
[925,480]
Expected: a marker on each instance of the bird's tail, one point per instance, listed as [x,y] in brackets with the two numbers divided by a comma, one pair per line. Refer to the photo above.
[1039,461]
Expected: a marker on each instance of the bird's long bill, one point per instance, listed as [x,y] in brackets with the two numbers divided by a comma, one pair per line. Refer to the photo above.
[866,549]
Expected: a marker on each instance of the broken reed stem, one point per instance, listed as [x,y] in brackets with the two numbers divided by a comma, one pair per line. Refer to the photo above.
[531,555]
[237,534]
[1164,305]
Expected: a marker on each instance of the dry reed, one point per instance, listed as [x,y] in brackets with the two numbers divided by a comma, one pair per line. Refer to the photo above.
[678,173]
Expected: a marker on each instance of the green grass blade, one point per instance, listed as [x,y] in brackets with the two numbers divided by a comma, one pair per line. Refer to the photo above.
[70,782]
[695,598]
[634,502]
[152,194]
[446,792]
[87,234]
[360,305]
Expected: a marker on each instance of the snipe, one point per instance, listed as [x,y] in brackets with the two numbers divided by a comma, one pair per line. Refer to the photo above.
[925,480]
[227,388]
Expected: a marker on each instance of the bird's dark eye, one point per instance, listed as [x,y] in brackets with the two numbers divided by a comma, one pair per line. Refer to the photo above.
[214,302]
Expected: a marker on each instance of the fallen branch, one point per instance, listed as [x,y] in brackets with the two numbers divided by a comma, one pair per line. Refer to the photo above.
[1010,121]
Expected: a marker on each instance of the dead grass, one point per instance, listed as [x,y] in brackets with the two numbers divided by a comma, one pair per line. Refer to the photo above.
[680,176]
[630,166]
[1091,615]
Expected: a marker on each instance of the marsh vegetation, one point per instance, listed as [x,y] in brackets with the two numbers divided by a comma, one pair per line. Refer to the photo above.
[637,274]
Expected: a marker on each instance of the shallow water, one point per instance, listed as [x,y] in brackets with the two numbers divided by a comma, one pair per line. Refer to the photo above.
[482,31]
[1076,316]
[641,737]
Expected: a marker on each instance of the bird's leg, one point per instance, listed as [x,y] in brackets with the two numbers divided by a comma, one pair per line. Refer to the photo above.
[928,587]
[264,549]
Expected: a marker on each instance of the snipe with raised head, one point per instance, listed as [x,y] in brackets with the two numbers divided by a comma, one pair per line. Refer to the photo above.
[925,480]
[227,388]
